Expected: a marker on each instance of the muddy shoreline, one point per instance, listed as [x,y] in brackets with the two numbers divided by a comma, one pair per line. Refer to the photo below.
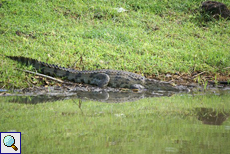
[68,90]
[54,90]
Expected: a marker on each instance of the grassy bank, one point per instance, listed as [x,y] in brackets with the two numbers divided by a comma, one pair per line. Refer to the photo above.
[153,125]
[151,38]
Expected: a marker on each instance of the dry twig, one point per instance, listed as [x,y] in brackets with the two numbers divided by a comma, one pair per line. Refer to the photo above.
[198,74]
[42,75]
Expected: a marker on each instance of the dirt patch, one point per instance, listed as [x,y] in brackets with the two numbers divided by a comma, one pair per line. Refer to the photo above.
[194,79]
[215,9]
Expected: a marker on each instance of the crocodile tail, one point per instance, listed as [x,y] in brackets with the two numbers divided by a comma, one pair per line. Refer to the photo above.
[48,69]
[24,60]
[29,61]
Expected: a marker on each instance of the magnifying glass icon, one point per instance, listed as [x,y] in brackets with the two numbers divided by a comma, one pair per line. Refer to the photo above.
[9,141]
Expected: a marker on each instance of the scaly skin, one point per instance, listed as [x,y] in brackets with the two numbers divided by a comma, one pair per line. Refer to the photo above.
[101,78]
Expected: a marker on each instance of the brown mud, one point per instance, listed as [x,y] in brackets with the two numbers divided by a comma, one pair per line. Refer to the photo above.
[195,78]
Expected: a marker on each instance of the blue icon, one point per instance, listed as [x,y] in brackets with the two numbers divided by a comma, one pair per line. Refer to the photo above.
[9,141]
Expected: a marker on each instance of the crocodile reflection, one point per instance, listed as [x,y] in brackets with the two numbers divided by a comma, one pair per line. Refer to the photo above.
[211,117]
[101,96]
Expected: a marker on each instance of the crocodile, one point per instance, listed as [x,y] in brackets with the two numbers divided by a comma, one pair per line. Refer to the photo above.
[101,78]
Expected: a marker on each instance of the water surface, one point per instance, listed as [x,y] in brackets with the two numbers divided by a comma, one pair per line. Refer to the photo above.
[81,122]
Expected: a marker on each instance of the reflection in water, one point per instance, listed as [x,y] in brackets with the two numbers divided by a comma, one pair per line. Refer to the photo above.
[54,93]
[211,117]
[101,96]
[34,99]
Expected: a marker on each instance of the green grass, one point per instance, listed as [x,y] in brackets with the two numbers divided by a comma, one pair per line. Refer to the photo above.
[151,125]
[152,37]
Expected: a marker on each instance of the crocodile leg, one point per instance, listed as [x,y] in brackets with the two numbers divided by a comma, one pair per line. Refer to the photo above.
[100,79]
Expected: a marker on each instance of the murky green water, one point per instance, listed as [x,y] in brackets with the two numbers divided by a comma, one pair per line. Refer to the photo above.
[183,123]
